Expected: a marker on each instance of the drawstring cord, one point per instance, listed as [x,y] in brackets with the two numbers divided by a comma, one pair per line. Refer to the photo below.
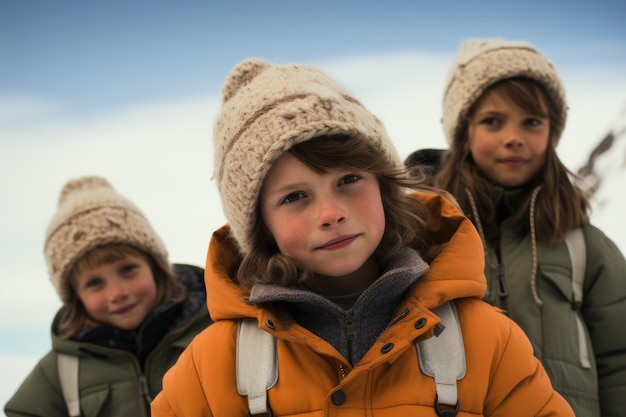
[533,242]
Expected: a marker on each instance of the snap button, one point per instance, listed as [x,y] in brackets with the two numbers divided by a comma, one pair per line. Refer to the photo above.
[270,324]
[387,348]
[420,323]
[338,397]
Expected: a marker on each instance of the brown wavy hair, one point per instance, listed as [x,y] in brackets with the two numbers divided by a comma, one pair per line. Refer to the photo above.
[561,204]
[405,217]
[75,317]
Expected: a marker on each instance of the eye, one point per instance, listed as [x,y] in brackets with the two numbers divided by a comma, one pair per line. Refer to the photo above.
[490,121]
[533,122]
[93,283]
[127,269]
[350,178]
[292,197]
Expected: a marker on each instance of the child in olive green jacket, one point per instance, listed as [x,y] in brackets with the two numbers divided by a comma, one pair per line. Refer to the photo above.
[127,312]
[504,110]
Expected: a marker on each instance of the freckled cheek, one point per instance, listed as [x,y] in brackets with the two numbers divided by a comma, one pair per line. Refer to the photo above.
[94,304]
[541,148]
[143,287]
[377,214]
[371,210]
[481,148]
[483,157]
[289,234]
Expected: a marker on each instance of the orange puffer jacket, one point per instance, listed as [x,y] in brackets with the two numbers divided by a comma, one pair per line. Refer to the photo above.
[503,378]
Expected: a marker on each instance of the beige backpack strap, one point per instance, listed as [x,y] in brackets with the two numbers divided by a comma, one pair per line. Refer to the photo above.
[67,368]
[257,364]
[442,357]
[575,241]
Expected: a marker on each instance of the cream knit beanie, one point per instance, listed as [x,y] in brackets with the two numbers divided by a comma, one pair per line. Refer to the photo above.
[483,62]
[266,110]
[92,214]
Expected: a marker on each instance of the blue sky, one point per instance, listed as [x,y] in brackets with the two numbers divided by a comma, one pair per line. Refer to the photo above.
[88,56]
[130,90]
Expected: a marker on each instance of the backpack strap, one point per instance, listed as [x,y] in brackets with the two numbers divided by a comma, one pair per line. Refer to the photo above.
[257,364]
[575,241]
[442,357]
[67,368]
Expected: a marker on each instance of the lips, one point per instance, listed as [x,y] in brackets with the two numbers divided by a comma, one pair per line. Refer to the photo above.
[513,161]
[338,242]
[123,310]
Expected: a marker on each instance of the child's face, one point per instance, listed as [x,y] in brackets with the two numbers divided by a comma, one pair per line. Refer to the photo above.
[329,223]
[507,143]
[120,293]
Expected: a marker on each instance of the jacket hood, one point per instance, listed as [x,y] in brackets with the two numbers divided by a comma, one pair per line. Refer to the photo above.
[456,255]
[456,260]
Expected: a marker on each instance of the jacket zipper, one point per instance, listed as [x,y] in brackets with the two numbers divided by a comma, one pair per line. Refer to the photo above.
[143,386]
[342,371]
[503,291]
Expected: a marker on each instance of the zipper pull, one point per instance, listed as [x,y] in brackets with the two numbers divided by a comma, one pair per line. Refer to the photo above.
[143,387]
[502,290]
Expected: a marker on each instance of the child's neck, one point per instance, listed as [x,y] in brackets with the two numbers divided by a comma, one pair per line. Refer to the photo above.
[353,283]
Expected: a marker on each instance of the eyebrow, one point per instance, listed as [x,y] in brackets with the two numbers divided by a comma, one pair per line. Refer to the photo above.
[284,188]
[488,112]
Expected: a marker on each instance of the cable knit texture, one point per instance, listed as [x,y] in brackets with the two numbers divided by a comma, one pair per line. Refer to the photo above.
[91,214]
[266,110]
[482,62]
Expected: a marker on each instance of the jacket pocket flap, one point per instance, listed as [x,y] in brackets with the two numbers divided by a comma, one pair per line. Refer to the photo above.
[560,278]
[93,399]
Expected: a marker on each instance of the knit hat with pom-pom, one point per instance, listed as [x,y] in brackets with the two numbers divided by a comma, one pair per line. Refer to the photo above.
[268,109]
[482,62]
[91,214]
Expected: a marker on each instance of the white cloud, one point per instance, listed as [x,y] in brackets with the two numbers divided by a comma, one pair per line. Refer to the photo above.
[404,90]
[158,155]
[19,109]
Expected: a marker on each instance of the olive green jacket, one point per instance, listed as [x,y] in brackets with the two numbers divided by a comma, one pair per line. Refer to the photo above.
[113,381]
[596,390]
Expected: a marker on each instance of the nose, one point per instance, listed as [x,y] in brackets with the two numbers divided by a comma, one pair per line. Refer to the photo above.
[513,137]
[117,292]
[331,213]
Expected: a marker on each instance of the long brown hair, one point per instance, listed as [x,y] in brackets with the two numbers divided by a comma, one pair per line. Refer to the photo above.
[405,217]
[561,204]
[76,318]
